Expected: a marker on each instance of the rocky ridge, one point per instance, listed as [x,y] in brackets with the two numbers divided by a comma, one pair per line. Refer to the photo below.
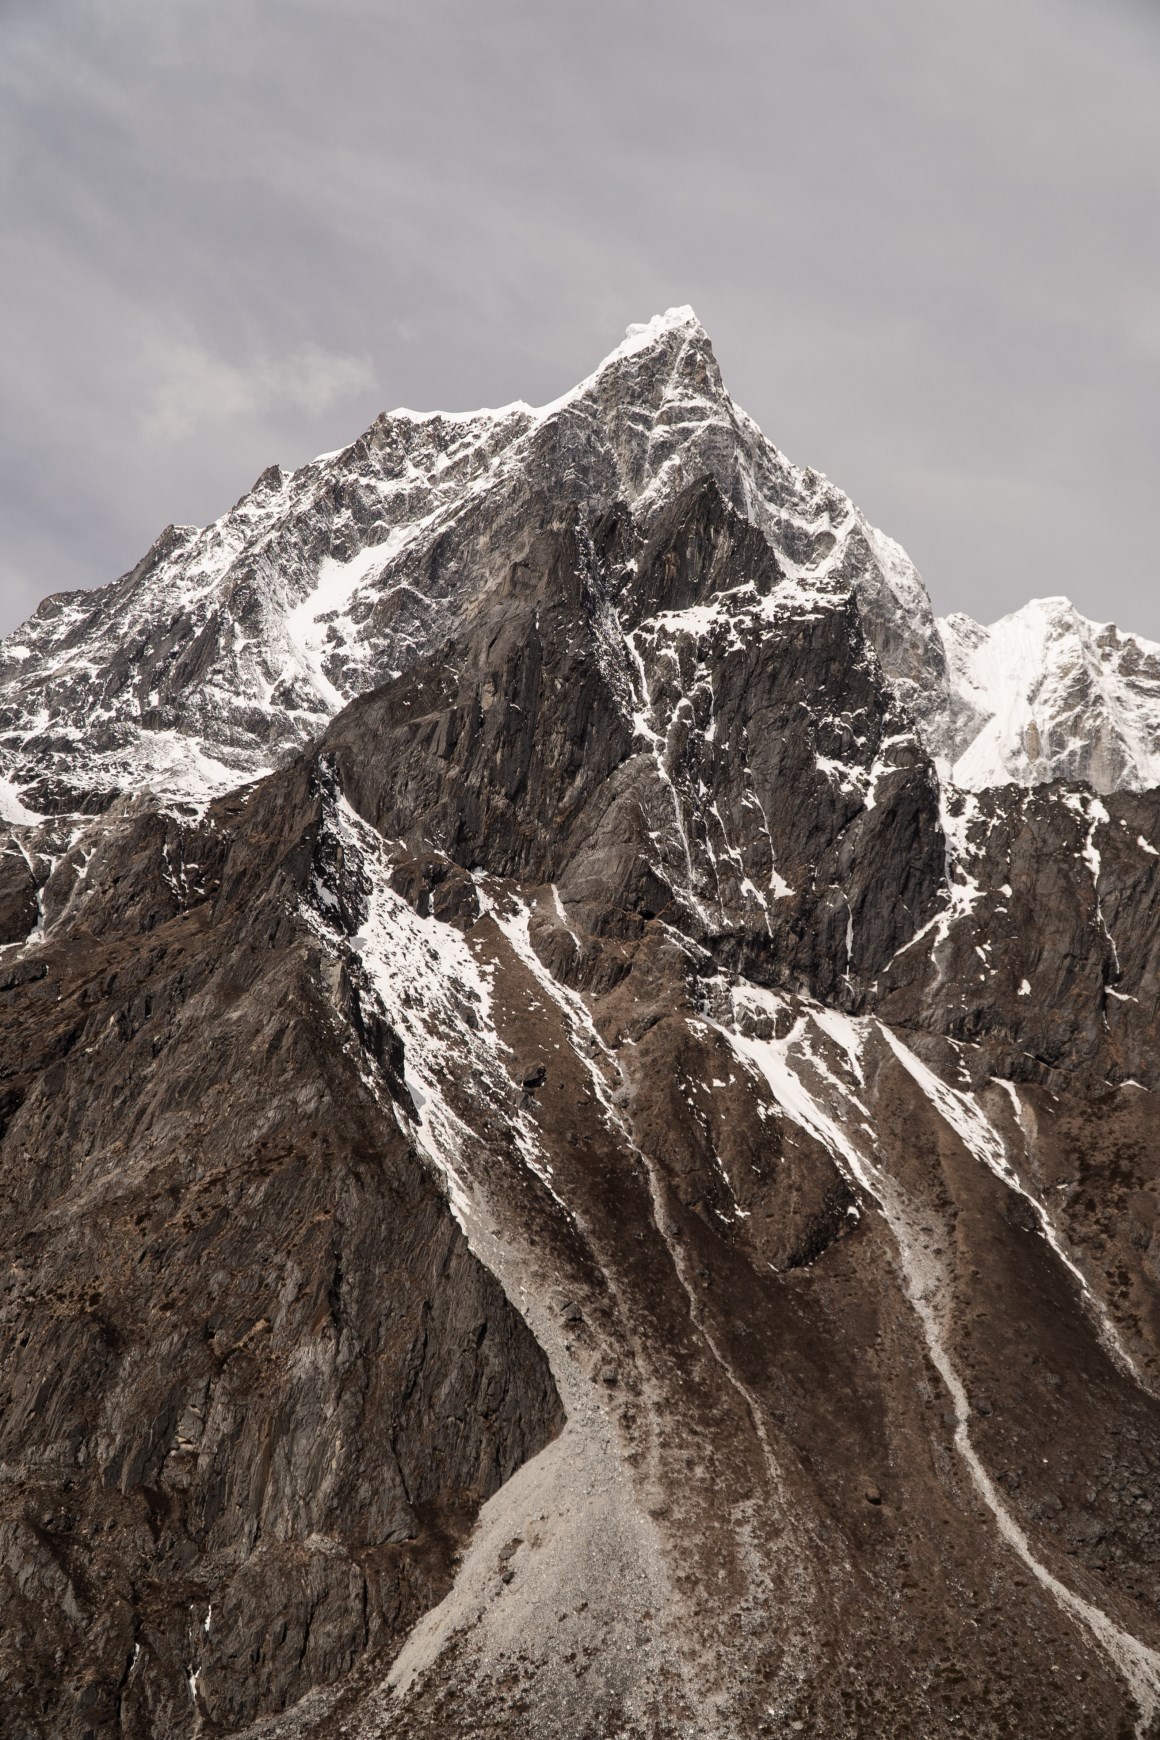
[226,649]
[559,1174]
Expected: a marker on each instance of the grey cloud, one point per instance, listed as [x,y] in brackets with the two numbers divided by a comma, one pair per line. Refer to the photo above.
[921,235]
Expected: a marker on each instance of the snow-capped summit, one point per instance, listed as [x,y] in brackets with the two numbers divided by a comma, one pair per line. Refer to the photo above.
[227,648]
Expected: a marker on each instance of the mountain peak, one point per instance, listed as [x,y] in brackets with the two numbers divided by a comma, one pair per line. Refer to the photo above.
[681,321]
[656,334]
[227,648]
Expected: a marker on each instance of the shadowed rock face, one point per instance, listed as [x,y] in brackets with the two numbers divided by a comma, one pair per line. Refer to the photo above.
[599,1197]
[646,725]
[255,1386]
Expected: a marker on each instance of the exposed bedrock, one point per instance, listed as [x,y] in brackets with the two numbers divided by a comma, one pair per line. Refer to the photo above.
[663,735]
[255,1387]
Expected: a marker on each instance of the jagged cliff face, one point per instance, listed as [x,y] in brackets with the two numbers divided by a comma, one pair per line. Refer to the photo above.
[579,1139]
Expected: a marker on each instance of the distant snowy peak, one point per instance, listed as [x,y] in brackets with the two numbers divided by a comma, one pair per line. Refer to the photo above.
[1045,694]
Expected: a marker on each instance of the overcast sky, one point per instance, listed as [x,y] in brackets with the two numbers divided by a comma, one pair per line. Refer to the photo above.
[924,237]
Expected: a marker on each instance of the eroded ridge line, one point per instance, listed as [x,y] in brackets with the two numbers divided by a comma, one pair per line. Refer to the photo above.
[1135,1661]
[981,1139]
[574,1007]
[923,1280]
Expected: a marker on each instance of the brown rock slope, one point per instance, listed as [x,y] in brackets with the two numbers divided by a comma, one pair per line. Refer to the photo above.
[255,1386]
[555,1214]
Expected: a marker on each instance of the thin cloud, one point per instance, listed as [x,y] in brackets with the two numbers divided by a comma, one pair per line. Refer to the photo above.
[920,235]
[195,390]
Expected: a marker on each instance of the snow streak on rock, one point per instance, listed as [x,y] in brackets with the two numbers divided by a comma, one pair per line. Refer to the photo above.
[811,1092]
[436,996]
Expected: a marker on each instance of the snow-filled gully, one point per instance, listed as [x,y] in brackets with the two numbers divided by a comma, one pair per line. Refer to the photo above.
[979,1136]
[437,996]
[421,970]
[659,748]
[923,1280]
[515,928]
[404,954]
